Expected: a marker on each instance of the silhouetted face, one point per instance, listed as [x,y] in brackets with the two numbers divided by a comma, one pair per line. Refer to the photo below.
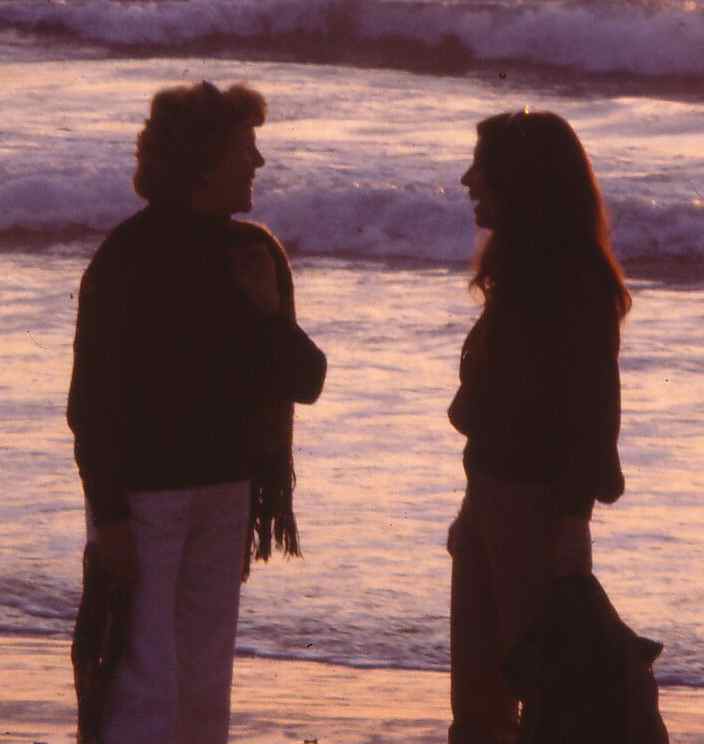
[486,204]
[228,187]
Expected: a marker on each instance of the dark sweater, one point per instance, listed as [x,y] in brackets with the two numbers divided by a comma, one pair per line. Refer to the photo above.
[539,399]
[172,362]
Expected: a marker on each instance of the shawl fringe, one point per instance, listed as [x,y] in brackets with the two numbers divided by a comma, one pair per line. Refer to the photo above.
[271,512]
[272,522]
[99,640]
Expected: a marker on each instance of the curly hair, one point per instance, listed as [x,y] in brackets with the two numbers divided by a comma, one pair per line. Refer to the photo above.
[187,133]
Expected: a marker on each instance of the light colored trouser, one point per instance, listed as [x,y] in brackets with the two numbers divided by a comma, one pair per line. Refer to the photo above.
[502,568]
[174,683]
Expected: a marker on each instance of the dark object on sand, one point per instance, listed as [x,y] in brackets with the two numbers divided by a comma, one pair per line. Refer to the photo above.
[583,675]
[99,639]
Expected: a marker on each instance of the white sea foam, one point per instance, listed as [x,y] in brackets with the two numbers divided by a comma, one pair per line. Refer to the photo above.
[363,163]
[362,220]
[650,38]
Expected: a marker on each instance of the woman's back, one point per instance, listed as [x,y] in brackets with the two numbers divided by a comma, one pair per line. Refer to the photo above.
[540,397]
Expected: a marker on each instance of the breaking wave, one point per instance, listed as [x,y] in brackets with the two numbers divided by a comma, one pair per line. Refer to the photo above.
[643,37]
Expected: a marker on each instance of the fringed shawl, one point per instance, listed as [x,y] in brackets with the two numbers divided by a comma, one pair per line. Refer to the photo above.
[275,478]
[99,639]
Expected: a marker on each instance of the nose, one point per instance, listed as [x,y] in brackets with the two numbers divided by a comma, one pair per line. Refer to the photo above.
[467,178]
[258,159]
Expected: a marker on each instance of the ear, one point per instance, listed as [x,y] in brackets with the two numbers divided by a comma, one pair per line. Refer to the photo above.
[201,183]
[202,180]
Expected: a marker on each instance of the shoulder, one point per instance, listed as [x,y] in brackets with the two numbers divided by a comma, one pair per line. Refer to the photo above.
[124,237]
[254,236]
[113,254]
[254,232]
[592,312]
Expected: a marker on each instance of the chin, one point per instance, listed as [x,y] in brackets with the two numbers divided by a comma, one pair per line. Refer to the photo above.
[245,202]
[244,205]
[484,221]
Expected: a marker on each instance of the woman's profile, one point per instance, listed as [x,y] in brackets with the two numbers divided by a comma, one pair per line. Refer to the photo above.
[187,363]
[539,403]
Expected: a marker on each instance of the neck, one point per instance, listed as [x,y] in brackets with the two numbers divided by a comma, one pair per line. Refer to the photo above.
[205,209]
[186,209]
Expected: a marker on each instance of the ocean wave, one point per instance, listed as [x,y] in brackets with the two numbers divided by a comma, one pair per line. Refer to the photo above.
[672,676]
[366,220]
[643,38]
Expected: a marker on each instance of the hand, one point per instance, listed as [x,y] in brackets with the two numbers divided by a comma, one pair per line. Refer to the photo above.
[255,272]
[452,537]
[573,547]
[117,551]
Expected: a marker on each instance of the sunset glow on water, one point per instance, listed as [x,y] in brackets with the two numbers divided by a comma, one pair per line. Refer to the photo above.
[362,185]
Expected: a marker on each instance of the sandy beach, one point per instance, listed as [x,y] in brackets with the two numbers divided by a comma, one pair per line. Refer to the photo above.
[280,701]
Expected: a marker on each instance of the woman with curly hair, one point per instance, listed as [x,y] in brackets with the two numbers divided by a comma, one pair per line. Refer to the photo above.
[187,362]
[539,402]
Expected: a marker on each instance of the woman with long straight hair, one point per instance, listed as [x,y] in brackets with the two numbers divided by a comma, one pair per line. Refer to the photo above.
[539,402]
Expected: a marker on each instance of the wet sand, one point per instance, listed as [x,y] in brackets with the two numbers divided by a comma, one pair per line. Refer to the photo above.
[279,701]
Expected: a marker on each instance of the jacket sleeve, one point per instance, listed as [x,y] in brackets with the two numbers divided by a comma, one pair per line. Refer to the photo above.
[592,412]
[292,366]
[95,401]
[277,360]
[280,361]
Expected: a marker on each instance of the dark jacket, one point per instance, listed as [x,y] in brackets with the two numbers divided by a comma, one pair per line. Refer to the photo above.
[172,362]
[539,399]
[583,675]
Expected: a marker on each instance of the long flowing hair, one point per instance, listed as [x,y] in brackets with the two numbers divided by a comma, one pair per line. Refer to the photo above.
[552,232]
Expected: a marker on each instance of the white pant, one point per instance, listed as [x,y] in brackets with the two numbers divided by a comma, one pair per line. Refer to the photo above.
[173,684]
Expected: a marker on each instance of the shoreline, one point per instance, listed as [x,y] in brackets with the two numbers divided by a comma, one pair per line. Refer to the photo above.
[77,243]
[277,701]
